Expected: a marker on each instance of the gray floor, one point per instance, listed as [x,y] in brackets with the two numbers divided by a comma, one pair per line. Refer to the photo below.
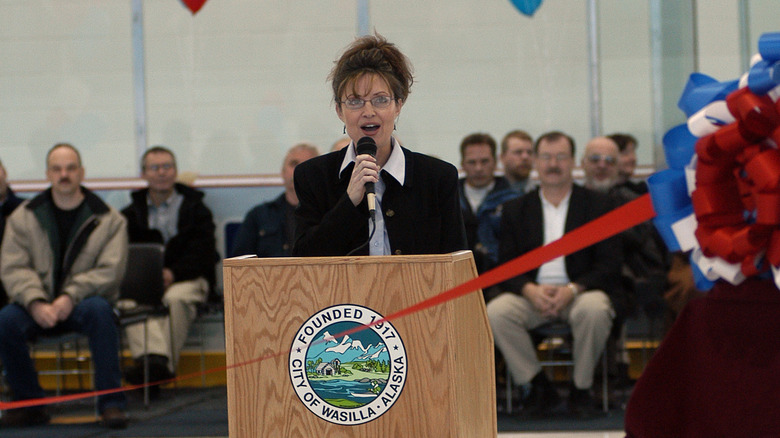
[203,413]
[177,413]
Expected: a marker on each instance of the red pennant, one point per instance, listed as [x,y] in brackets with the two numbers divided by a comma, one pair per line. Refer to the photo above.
[194,5]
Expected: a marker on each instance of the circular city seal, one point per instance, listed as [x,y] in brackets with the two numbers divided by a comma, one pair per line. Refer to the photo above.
[344,371]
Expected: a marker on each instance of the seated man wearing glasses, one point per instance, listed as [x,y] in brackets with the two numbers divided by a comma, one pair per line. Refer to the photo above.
[580,288]
[600,164]
[173,214]
[644,251]
[645,258]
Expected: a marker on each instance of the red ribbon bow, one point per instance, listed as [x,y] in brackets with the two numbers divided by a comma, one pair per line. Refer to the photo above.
[737,196]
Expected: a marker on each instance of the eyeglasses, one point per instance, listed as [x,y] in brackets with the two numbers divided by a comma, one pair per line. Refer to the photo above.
[558,157]
[595,158]
[379,102]
[156,167]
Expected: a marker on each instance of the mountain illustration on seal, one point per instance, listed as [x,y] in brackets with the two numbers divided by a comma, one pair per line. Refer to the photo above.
[347,350]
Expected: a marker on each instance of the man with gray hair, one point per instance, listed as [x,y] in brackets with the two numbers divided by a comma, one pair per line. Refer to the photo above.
[600,164]
[268,229]
[644,264]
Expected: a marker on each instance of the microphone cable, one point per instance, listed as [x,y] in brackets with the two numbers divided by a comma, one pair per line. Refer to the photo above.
[370,235]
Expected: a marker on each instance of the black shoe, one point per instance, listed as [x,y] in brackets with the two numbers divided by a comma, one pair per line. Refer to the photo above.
[134,375]
[542,399]
[114,418]
[24,417]
[581,404]
[158,370]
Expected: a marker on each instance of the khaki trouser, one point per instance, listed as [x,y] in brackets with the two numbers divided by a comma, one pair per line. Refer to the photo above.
[589,314]
[181,298]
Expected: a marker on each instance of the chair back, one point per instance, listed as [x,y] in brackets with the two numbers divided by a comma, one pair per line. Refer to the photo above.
[231,230]
[143,281]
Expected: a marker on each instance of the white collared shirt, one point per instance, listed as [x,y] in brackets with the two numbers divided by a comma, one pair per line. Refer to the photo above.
[554,222]
[395,167]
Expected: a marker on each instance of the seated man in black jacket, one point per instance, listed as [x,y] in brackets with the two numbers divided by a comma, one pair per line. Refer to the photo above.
[579,288]
[172,214]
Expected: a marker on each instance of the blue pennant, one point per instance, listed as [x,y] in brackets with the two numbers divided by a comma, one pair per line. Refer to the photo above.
[527,7]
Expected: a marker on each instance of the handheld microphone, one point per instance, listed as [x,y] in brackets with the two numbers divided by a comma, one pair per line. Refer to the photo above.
[367,145]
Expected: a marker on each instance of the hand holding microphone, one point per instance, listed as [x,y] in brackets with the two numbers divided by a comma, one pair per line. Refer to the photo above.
[366,146]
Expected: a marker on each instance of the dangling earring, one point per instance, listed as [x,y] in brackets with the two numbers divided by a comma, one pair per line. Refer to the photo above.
[394,128]
[345,129]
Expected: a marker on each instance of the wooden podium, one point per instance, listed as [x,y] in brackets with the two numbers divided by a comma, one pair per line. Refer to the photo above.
[449,381]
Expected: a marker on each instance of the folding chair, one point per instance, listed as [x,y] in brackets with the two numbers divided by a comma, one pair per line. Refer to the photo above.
[70,359]
[64,342]
[143,286]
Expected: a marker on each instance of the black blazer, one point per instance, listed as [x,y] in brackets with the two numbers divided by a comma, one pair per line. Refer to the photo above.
[422,216]
[595,267]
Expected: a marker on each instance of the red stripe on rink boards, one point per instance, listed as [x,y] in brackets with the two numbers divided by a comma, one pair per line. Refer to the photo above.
[608,225]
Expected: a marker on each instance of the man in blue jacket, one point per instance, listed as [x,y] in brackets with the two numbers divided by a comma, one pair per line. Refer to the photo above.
[268,229]
[481,196]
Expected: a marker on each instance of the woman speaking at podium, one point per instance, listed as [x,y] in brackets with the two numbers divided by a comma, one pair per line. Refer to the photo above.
[375,197]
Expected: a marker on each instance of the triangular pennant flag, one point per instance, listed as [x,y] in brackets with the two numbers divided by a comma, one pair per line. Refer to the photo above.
[194,5]
[527,7]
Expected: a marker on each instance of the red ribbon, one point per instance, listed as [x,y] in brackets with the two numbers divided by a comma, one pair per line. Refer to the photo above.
[608,225]
[716,200]
[756,114]
[731,139]
[764,169]
[707,172]
[709,152]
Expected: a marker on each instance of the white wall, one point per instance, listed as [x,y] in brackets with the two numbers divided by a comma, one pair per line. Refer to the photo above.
[233,87]
[65,75]
[718,44]
[625,65]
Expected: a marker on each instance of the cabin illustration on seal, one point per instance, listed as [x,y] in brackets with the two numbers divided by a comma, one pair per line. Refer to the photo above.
[329,368]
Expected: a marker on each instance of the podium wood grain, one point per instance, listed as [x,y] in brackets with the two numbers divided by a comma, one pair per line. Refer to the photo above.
[450,387]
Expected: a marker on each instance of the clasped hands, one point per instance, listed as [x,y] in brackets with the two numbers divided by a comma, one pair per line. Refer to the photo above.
[47,315]
[548,299]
